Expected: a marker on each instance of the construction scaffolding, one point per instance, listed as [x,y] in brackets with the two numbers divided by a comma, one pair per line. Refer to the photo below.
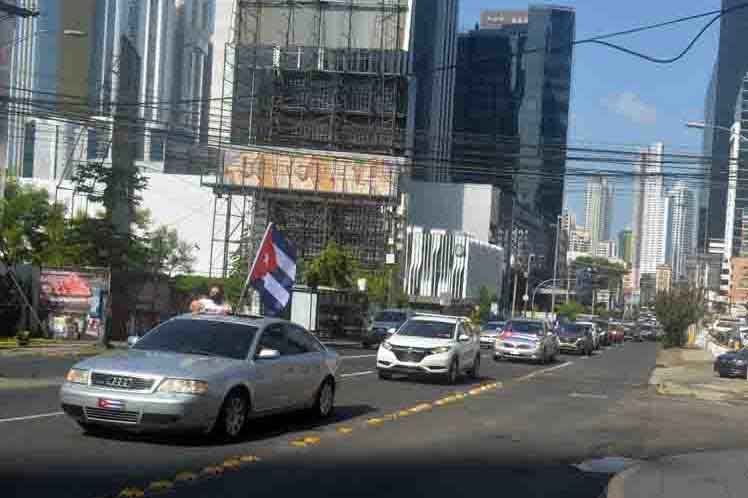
[330,78]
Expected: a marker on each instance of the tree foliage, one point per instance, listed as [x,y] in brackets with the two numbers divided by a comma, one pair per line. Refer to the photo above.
[168,254]
[25,214]
[570,310]
[676,311]
[334,267]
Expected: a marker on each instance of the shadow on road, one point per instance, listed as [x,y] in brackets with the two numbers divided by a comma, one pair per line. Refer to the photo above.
[259,429]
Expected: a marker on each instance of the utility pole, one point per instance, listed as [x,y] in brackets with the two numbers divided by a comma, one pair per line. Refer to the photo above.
[121,203]
[555,265]
[526,297]
[514,294]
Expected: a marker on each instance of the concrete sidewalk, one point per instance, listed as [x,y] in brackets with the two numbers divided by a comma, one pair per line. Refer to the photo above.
[696,475]
[690,372]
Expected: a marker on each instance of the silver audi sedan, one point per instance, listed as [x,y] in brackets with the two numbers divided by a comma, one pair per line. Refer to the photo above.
[206,372]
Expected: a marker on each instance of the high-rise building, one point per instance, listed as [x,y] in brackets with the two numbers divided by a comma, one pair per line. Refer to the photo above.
[626,245]
[598,209]
[681,229]
[726,89]
[508,96]
[649,212]
[52,58]
[510,120]
[606,249]
[433,47]
[192,90]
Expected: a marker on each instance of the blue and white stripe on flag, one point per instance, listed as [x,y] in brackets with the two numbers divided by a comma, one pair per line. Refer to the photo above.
[274,271]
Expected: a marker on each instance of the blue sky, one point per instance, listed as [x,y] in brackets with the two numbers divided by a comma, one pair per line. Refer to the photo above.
[621,101]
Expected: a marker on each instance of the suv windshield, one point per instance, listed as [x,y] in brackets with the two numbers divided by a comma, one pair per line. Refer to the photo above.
[423,328]
[390,316]
[202,337]
[492,326]
[569,329]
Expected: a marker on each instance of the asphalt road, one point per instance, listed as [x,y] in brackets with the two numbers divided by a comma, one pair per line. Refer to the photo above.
[518,438]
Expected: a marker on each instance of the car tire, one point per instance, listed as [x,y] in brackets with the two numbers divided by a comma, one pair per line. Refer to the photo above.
[589,351]
[496,358]
[324,400]
[365,345]
[453,373]
[384,375]
[475,371]
[232,417]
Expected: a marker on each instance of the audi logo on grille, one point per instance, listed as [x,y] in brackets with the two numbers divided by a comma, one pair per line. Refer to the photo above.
[123,382]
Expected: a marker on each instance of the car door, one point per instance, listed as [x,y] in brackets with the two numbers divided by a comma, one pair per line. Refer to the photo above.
[308,358]
[274,381]
[465,349]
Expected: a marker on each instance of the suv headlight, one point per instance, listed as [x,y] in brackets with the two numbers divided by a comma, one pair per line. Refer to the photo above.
[740,363]
[441,349]
[78,376]
[386,345]
[183,386]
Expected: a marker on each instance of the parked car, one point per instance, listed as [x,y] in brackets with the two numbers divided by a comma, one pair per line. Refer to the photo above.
[574,339]
[385,323]
[631,333]
[526,339]
[203,372]
[647,333]
[489,332]
[615,333]
[592,328]
[603,327]
[732,364]
[434,345]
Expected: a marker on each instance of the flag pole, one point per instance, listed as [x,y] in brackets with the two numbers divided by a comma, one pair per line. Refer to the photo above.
[245,288]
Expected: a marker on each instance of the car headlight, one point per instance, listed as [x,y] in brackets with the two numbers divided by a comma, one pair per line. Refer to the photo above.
[386,345]
[183,386]
[740,363]
[441,349]
[78,376]
[391,330]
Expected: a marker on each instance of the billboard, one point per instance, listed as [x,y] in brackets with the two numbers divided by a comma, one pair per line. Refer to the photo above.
[74,301]
[498,18]
[313,171]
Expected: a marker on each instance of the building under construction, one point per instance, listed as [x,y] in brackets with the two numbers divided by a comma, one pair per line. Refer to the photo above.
[315,107]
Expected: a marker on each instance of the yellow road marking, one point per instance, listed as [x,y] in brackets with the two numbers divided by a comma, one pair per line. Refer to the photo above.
[185,477]
[312,439]
[131,493]
[344,430]
[213,470]
[298,443]
[375,421]
[232,463]
[160,485]
[249,459]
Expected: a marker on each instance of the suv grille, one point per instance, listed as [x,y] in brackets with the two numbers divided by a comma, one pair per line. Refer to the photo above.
[121,382]
[409,354]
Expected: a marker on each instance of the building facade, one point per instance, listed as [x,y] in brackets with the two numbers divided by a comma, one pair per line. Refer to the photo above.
[626,245]
[606,249]
[723,101]
[663,278]
[448,263]
[598,209]
[648,213]
[433,49]
[739,285]
[681,229]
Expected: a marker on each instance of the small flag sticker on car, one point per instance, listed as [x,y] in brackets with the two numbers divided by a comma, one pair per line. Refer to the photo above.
[111,404]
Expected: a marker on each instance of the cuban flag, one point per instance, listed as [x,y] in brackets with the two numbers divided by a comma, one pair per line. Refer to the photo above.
[274,271]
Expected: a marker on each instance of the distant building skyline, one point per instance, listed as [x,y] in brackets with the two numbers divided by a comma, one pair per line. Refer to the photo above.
[598,209]
[648,212]
[682,229]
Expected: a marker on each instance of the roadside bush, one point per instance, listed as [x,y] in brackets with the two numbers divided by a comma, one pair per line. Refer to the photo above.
[23,338]
[676,311]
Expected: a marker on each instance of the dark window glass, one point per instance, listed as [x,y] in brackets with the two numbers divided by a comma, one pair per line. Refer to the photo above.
[203,337]
[390,316]
[274,337]
[301,339]
[423,328]
[526,327]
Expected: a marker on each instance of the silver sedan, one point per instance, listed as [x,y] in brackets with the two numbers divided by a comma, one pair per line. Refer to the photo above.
[204,372]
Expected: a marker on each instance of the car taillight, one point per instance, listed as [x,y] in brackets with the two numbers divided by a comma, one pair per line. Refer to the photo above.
[506,333]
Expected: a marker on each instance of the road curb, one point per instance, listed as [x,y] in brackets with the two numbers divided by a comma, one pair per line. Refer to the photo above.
[617,486]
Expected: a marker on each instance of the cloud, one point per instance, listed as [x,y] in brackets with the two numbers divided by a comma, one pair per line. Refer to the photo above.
[630,106]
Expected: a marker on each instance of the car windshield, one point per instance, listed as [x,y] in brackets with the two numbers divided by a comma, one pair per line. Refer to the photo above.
[427,328]
[200,337]
[526,327]
[583,327]
[492,326]
[390,316]
[569,329]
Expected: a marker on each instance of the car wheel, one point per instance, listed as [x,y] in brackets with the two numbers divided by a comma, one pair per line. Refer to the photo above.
[384,375]
[453,372]
[496,357]
[589,351]
[324,404]
[232,419]
[365,345]
[475,371]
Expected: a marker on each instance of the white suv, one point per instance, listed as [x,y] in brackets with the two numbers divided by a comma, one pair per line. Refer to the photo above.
[433,345]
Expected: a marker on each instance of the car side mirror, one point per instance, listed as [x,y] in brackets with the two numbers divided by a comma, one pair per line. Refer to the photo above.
[268,354]
[464,338]
[132,340]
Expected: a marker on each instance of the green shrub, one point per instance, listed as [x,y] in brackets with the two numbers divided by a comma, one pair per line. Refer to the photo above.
[23,338]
